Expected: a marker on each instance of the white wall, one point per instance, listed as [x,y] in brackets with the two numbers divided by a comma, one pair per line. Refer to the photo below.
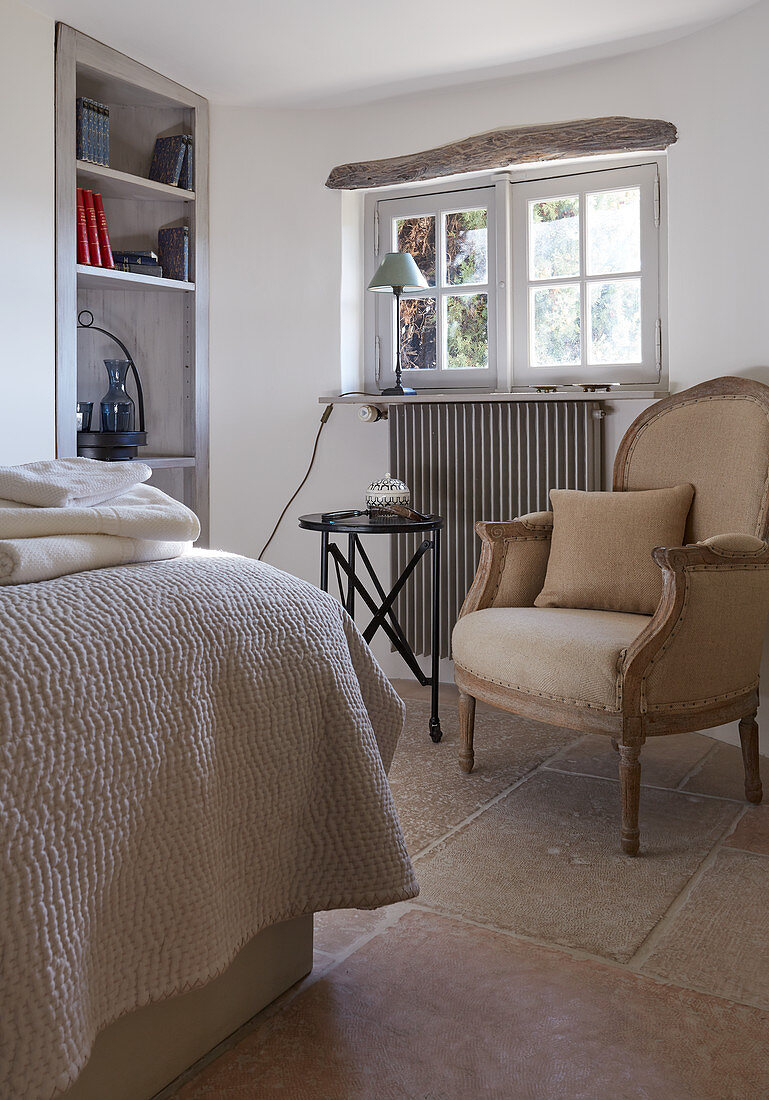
[276,257]
[27,334]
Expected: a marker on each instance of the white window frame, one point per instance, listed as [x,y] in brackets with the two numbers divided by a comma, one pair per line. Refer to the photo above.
[648,369]
[511,371]
[438,204]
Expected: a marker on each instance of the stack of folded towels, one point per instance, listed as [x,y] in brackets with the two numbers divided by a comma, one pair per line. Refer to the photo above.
[70,514]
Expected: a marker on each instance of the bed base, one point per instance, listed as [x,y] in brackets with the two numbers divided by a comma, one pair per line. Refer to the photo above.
[141,1053]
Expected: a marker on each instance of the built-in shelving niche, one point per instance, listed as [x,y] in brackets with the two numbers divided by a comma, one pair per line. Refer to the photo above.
[163,322]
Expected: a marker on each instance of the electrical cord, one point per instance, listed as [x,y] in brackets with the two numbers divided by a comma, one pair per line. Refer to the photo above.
[323,421]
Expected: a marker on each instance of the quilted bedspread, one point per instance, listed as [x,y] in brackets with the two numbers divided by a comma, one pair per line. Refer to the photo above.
[190,750]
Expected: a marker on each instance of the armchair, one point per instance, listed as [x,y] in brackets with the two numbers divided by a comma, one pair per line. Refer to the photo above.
[691,665]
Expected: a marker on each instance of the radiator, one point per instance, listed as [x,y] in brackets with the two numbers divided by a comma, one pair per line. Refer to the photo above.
[481,460]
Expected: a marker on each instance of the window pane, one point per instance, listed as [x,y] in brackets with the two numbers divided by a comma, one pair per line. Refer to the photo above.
[417,334]
[615,321]
[614,231]
[466,247]
[554,238]
[467,332]
[417,236]
[554,326]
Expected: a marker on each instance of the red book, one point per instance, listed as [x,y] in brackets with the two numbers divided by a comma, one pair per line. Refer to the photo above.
[101,225]
[83,253]
[93,230]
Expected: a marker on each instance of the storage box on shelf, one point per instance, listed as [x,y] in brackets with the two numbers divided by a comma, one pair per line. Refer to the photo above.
[163,321]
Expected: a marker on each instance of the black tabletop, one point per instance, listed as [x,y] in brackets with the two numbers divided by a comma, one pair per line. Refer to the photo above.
[365,524]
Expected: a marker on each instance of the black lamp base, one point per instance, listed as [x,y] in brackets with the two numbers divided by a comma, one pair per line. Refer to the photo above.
[110,446]
[398,391]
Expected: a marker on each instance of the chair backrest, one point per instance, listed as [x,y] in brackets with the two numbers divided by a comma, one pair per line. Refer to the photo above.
[714,436]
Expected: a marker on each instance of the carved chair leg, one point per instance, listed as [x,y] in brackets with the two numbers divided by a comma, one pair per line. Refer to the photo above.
[630,787]
[749,742]
[466,726]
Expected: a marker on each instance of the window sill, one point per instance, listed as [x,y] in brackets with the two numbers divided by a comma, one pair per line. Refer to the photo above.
[433,397]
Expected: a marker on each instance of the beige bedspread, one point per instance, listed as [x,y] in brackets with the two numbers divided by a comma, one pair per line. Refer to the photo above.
[190,751]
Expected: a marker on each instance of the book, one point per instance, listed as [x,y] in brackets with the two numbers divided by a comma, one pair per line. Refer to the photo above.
[83,253]
[101,225]
[148,258]
[84,137]
[174,250]
[91,131]
[104,134]
[167,159]
[80,129]
[155,270]
[92,227]
[187,177]
[99,116]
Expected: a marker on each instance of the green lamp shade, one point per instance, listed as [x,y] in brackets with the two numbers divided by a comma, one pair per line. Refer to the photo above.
[398,270]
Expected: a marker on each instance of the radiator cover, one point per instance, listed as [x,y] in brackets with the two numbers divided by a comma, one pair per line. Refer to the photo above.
[481,460]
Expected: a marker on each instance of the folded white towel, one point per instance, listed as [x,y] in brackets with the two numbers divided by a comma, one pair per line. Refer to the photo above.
[68,482]
[142,513]
[25,560]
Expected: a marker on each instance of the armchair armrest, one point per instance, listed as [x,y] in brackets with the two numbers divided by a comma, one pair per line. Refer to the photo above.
[513,562]
[703,644]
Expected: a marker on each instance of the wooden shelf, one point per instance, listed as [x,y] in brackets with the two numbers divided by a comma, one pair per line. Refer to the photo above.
[123,185]
[103,278]
[167,462]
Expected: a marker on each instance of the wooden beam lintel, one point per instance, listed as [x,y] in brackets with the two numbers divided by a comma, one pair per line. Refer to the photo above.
[509,146]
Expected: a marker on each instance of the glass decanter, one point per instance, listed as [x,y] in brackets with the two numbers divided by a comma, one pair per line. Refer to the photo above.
[117,408]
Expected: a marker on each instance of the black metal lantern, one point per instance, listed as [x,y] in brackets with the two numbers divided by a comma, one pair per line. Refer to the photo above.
[118,440]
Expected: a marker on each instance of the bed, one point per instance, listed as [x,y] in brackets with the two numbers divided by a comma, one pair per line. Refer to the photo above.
[193,759]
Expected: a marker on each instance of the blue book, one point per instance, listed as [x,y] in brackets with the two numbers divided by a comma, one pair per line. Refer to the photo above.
[167,160]
[174,250]
[101,113]
[91,130]
[99,133]
[79,129]
[148,258]
[187,177]
[85,129]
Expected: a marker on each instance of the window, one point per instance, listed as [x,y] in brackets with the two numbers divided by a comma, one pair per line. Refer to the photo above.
[585,282]
[446,331]
[583,302]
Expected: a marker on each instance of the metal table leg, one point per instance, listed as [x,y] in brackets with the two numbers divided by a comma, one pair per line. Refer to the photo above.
[324,560]
[435,723]
[350,601]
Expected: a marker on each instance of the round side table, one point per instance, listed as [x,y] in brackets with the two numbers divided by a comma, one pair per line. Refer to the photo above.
[354,524]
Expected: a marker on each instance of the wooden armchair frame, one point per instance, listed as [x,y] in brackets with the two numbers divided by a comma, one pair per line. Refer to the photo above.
[499,574]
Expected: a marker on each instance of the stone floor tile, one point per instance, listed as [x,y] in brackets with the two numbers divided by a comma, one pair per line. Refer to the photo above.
[722,774]
[545,862]
[432,794]
[335,931]
[664,760]
[435,1008]
[752,832]
[719,940]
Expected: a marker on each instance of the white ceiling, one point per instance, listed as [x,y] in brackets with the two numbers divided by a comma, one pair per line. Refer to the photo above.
[325,52]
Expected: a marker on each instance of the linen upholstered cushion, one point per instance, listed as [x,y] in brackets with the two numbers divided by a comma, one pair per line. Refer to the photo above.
[717,441]
[600,555]
[566,654]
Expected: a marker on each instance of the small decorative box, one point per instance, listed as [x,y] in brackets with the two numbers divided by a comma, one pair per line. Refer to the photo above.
[386,491]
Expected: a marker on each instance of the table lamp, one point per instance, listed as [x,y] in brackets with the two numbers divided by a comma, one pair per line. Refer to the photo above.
[397,272]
